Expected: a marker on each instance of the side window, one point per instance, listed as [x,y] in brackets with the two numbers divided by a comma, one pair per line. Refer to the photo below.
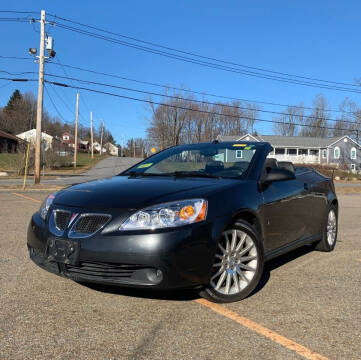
[353,153]
[239,154]
[336,152]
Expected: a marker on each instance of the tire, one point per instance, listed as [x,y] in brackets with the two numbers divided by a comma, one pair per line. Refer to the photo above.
[329,236]
[238,264]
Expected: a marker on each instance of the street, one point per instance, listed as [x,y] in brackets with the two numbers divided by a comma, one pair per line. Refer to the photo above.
[105,168]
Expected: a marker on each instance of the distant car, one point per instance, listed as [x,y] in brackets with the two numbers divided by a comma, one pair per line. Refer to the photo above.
[204,216]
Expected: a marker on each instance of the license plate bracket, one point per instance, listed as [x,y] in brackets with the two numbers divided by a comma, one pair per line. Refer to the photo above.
[63,251]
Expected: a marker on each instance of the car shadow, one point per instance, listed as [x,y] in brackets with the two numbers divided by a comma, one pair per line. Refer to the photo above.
[192,294]
[172,295]
[278,262]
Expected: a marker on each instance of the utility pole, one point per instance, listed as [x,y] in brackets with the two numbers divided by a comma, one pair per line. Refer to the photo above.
[76,129]
[39,111]
[91,133]
[133,148]
[101,139]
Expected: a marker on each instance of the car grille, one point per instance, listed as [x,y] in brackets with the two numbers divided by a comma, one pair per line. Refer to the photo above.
[61,218]
[102,271]
[88,224]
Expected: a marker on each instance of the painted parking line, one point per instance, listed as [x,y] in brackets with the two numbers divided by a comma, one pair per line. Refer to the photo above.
[250,324]
[27,197]
[259,329]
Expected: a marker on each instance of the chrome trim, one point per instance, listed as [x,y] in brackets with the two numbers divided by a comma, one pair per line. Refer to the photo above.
[72,234]
[53,228]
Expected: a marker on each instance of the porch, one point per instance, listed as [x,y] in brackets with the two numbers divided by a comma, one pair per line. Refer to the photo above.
[296,155]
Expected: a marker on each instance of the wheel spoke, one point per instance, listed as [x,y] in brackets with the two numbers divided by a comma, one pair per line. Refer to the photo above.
[247,258]
[222,248]
[236,282]
[228,245]
[219,256]
[246,267]
[240,273]
[220,280]
[219,272]
[217,264]
[241,242]
[234,239]
[228,283]
[245,250]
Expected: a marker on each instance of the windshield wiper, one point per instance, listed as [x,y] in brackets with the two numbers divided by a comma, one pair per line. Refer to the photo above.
[194,174]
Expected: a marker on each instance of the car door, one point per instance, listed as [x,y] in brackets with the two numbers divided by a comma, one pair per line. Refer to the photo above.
[285,212]
[316,201]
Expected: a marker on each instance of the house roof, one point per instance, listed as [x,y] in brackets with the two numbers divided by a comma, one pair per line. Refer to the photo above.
[288,141]
[32,132]
[6,135]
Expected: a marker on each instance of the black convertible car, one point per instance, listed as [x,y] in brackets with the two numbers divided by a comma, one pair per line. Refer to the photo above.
[205,216]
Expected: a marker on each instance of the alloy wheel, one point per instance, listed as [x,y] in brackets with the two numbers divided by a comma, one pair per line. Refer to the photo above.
[235,264]
[331,227]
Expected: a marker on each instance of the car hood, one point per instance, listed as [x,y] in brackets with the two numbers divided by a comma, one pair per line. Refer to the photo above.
[122,192]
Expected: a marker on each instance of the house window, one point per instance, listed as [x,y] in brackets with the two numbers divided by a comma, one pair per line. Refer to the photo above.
[279,151]
[65,137]
[336,152]
[291,151]
[353,153]
[353,167]
[239,154]
[324,154]
[302,152]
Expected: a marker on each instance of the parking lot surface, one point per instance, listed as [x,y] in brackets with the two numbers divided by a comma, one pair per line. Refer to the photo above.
[308,305]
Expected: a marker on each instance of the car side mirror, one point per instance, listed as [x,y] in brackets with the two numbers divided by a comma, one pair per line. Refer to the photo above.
[279,174]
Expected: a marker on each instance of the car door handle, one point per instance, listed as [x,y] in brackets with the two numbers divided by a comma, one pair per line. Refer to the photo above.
[305,185]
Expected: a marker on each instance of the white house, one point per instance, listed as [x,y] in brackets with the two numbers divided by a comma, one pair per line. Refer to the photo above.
[96,147]
[112,149]
[341,151]
[30,136]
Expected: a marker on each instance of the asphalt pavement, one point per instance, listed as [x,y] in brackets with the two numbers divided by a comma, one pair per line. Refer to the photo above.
[308,306]
[105,168]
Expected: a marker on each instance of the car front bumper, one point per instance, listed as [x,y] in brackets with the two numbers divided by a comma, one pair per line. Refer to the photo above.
[166,259]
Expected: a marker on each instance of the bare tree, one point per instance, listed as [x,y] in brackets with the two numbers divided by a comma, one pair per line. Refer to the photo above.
[316,122]
[288,124]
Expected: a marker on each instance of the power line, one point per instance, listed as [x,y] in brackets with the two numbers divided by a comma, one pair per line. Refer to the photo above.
[14,57]
[55,107]
[18,12]
[17,79]
[81,97]
[19,73]
[7,19]
[177,88]
[201,56]
[184,99]
[65,104]
[210,65]
[191,109]
[193,91]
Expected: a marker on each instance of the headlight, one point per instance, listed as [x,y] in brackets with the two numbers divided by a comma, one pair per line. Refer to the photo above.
[167,215]
[44,208]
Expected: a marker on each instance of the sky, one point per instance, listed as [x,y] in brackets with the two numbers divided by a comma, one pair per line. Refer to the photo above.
[319,39]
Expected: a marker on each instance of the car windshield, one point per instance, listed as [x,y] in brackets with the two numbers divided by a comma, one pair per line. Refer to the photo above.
[218,160]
